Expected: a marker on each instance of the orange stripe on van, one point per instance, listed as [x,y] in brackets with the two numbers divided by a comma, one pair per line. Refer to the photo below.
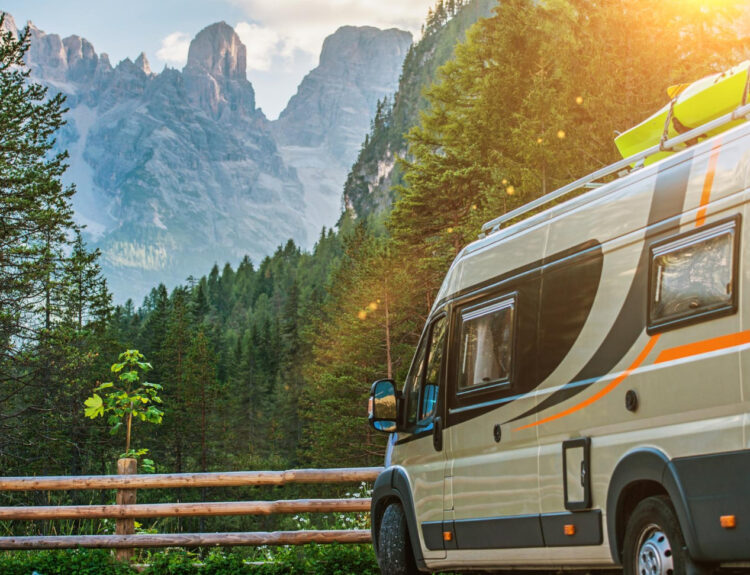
[708,184]
[705,346]
[605,390]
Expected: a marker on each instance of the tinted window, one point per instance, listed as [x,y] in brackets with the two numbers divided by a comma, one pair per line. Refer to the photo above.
[412,385]
[434,364]
[693,276]
[486,339]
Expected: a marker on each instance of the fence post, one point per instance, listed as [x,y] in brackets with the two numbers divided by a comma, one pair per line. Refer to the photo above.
[126,466]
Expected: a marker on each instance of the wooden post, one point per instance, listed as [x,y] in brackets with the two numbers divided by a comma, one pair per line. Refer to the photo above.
[127,466]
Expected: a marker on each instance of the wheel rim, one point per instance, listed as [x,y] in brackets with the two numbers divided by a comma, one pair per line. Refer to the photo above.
[654,555]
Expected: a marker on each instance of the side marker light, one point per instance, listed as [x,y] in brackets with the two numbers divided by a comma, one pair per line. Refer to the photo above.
[728,521]
[569,529]
[447,535]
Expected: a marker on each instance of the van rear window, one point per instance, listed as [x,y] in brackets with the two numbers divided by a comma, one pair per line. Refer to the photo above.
[693,276]
[486,345]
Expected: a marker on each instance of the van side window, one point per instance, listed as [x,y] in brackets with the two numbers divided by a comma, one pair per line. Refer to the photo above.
[693,276]
[486,339]
[434,365]
[413,384]
[423,382]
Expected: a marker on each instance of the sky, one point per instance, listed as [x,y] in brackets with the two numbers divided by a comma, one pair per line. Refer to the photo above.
[283,37]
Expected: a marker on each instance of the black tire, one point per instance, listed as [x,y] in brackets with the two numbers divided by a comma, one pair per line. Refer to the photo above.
[395,554]
[654,544]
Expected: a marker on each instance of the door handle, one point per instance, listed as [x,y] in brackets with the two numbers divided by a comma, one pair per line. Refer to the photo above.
[437,433]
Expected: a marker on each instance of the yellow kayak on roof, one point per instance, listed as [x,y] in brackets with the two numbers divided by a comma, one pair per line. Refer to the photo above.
[694,105]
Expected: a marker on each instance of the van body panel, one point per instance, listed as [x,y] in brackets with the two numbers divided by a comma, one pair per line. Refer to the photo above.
[425,469]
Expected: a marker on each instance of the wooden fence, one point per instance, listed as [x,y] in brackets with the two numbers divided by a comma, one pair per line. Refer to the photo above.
[126,510]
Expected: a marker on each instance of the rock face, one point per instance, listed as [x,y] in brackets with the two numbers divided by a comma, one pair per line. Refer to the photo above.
[358,66]
[323,126]
[9,25]
[178,170]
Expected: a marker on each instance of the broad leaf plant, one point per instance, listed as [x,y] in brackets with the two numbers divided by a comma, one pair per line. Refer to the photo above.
[128,399]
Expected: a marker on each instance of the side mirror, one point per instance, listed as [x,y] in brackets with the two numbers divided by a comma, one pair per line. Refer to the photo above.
[383,406]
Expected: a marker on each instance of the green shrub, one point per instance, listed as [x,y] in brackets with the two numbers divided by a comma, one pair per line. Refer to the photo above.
[318,559]
[75,562]
[291,560]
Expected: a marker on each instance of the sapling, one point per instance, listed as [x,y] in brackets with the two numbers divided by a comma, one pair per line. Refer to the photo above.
[128,399]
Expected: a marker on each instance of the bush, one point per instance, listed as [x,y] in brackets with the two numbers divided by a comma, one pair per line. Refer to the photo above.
[318,559]
[75,562]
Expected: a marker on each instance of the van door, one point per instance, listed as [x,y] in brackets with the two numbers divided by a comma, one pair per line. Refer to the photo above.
[420,451]
[492,471]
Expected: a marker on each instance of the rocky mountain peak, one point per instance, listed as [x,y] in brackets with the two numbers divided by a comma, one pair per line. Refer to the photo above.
[9,25]
[335,101]
[47,51]
[218,51]
[141,62]
[357,43]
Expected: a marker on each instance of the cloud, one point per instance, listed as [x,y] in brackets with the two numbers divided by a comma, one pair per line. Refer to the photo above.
[304,25]
[174,49]
[262,45]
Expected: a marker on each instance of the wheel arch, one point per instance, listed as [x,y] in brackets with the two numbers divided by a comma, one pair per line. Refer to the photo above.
[392,486]
[640,474]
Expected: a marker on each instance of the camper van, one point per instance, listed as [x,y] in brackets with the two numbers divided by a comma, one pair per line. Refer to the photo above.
[580,395]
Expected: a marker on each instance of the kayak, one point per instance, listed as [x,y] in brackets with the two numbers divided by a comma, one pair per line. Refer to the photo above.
[694,105]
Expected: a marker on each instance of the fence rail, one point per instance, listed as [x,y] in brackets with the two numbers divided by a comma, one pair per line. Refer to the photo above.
[150,510]
[127,510]
[127,542]
[178,480]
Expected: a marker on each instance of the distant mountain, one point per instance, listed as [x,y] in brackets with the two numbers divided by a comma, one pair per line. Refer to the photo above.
[356,69]
[369,185]
[178,170]
[322,128]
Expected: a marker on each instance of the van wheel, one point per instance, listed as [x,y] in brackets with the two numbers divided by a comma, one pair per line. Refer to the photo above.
[395,554]
[654,544]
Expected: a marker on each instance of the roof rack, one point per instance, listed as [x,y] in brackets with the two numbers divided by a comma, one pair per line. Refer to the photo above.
[590,181]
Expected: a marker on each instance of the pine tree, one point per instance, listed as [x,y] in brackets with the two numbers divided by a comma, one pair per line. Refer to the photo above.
[201,392]
[36,216]
[176,348]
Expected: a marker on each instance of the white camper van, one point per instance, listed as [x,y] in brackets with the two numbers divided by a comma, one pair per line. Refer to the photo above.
[580,396]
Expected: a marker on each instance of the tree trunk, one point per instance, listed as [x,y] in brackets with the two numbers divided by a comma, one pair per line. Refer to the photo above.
[127,433]
[388,359]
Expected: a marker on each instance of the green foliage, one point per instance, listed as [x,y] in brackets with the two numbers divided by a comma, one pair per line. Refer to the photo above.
[78,562]
[319,559]
[130,399]
[332,559]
